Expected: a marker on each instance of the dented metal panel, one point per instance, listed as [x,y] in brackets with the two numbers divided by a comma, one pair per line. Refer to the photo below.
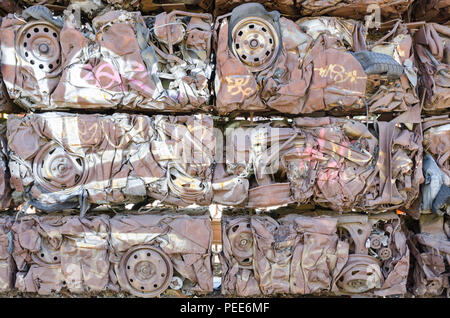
[315,69]
[436,166]
[357,9]
[139,254]
[381,170]
[62,160]
[431,10]
[320,253]
[431,252]
[7,266]
[120,60]
[336,163]
[5,187]
[432,44]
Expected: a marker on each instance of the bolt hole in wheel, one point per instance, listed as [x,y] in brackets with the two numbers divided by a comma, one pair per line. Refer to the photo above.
[254,36]
[145,271]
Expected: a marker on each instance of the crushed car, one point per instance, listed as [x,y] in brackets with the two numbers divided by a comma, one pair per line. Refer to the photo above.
[320,253]
[63,160]
[432,46]
[143,255]
[337,163]
[119,60]
[268,63]
[430,251]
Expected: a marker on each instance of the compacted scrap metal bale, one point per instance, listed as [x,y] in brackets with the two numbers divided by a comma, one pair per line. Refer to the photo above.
[194,148]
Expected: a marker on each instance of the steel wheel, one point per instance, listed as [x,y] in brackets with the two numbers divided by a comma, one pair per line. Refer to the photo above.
[241,239]
[48,255]
[145,271]
[361,274]
[55,169]
[38,44]
[255,36]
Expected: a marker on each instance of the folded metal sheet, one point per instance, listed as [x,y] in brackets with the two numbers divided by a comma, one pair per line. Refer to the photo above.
[64,160]
[431,10]
[436,165]
[336,163]
[9,6]
[432,45]
[287,7]
[7,266]
[430,250]
[141,254]
[158,5]
[357,9]
[118,60]
[316,253]
[6,105]
[269,63]
[5,187]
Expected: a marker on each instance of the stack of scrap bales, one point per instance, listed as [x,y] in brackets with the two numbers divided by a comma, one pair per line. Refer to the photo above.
[320,131]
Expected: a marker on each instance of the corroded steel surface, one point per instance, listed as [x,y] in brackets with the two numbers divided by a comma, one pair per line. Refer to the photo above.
[121,60]
[342,189]
[333,162]
[321,253]
[73,160]
[45,254]
[64,160]
[317,71]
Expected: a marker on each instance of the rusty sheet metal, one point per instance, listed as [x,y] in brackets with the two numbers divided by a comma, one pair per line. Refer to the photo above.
[287,7]
[63,160]
[6,105]
[9,6]
[315,69]
[436,165]
[317,253]
[432,45]
[118,60]
[430,250]
[7,267]
[185,240]
[332,162]
[437,140]
[166,5]
[5,187]
[140,254]
[72,161]
[357,9]
[431,10]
